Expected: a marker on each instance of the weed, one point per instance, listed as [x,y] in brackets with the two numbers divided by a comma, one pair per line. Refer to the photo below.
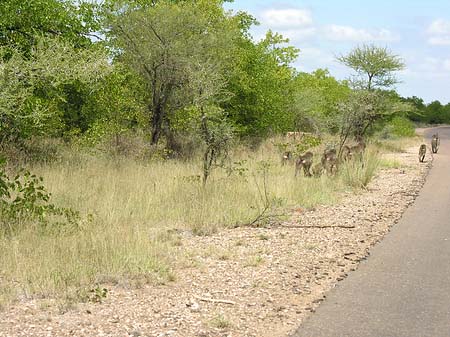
[220,322]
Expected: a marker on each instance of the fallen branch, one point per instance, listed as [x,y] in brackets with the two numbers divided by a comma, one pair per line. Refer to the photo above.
[212,300]
[320,227]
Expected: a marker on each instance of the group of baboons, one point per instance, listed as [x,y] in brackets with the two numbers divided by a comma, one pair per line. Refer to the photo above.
[435,141]
[329,160]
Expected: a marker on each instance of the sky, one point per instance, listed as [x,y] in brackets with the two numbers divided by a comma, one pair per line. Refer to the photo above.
[418,31]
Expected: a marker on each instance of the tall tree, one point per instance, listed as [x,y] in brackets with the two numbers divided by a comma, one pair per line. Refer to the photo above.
[261,81]
[375,66]
[165,43]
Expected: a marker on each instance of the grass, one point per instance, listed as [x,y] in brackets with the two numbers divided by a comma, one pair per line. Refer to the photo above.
[359,172]
[220,322]
[134,210]
[398,145]
[390,163]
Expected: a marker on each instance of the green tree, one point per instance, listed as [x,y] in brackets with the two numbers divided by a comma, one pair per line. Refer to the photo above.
[317,96]
[435,113]
[262,87]
[23,22]
[31,88]
[418,113]
[374,66]
[165,44]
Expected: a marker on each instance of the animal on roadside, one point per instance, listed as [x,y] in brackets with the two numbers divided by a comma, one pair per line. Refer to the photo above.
[329,161]
[286,157]
[422,152]
[356,151]
[345,153]
[317,169]
[304,161]
[361,142]
[435,141]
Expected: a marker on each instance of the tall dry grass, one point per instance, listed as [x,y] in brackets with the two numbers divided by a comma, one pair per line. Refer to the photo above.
[131,210]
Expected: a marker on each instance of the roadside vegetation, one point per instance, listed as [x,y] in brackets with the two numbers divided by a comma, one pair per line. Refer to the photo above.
[124,129]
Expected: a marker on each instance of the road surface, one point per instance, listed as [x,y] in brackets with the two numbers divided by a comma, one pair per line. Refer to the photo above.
[403,288]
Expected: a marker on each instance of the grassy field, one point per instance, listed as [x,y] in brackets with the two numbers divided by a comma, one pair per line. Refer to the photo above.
[132,211]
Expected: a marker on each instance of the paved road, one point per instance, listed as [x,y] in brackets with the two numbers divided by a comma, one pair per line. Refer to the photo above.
[403,289]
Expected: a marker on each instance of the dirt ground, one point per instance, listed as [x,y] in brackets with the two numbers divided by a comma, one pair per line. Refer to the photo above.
[246,281]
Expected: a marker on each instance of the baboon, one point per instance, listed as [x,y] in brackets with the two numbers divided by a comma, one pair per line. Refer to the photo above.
[304,161]
[317,169]
[422,152]
[361,142]
[287,157]
[329,161]
[345,153]
[435,143]
[356,151]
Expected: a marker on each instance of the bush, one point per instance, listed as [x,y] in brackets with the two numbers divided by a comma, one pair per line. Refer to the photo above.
[24,200]
[398,127]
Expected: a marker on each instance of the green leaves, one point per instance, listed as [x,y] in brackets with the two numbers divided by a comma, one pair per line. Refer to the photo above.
[373,65]
[32,87]
[23,199]
[23,22]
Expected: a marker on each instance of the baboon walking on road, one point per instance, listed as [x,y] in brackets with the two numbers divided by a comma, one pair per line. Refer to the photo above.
[304,161]
[435,143]
[422,152]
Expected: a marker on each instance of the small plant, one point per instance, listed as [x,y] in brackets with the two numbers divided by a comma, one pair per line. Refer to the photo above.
[263,237]
[23,198]
[220,322]
[254,261]
[97,294]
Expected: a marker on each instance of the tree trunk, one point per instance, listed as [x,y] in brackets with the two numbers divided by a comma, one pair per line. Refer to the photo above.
[157,119]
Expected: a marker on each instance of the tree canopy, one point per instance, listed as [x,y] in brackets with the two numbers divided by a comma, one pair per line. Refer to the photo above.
[375,66]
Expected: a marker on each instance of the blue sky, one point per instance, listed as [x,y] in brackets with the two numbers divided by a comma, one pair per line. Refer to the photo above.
[416,30]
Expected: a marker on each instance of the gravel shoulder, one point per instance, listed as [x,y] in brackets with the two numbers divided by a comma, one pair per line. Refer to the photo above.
[246,281]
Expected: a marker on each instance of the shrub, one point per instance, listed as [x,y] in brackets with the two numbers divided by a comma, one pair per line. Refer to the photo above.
[23,199]
[398,127]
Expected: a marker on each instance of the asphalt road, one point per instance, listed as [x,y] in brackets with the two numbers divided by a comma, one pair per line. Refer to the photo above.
[403,288]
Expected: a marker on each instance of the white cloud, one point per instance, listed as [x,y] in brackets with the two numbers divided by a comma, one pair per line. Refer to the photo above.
[447,64]
[439,27]
[439,33]
[347,33]
[439,40]
[287,18]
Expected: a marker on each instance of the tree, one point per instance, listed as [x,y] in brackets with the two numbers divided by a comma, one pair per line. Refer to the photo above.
[31,87]
[262,87]
[374,66]
[164,43]
[316,99]
[23,22]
